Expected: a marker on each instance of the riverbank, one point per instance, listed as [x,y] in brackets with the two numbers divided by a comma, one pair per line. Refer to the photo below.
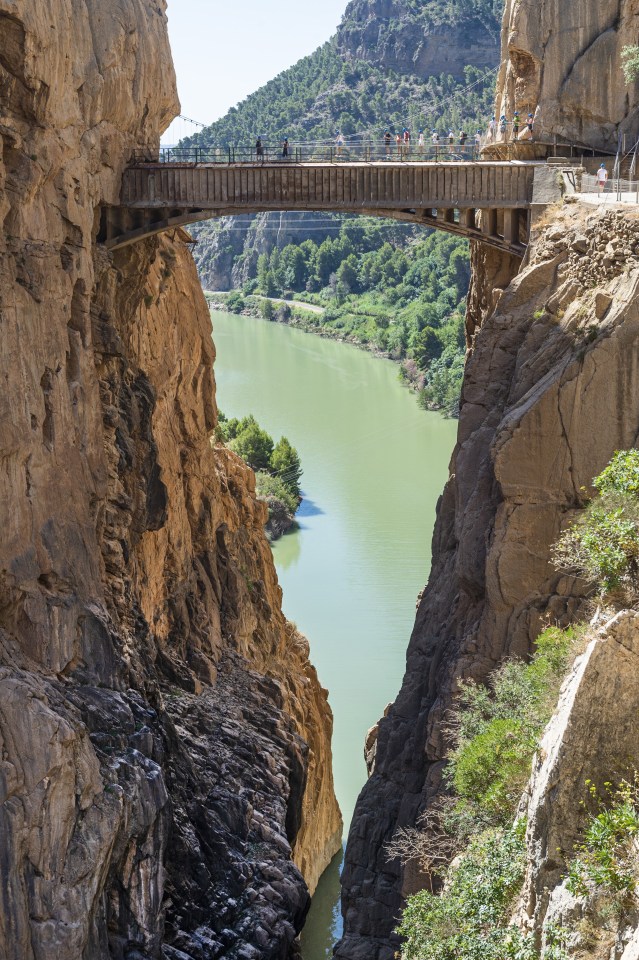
[309,318]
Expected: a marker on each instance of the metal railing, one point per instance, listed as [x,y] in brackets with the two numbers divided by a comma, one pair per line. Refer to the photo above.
[361,152]
[615,189]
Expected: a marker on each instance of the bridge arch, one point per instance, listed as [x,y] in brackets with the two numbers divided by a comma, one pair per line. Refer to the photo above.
[485,201]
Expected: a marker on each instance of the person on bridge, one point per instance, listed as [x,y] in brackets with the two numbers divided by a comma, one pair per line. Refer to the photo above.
[451,141]
[463,136]
[398,141]
[477,142]
[339,143]
[387,142]
[503,125]
[492,129]
[406,139]
[435,142]
[420,143]
[259,150]
[285,147]
[602,177]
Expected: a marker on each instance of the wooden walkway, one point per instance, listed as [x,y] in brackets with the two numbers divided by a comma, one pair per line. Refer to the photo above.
[445,195]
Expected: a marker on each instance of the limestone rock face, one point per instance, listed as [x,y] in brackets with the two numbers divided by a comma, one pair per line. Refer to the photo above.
[549,394]
[165,776]
[416,39]
[565,60]
[592,736]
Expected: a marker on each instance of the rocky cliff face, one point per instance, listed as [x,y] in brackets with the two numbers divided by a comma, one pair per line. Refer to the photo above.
[549,394]
[563,60]
[422,39]
[165,784]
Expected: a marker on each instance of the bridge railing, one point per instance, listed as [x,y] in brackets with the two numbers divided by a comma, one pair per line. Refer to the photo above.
[362,152]
[615,189]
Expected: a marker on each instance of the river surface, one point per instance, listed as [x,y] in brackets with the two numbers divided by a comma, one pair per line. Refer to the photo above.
[374,467]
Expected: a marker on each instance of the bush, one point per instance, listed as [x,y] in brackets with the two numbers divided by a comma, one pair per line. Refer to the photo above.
[602,546]
[235,302]
[268,487]
[630,63]
[607,858]
[266,309]
[469,920]
[498,728]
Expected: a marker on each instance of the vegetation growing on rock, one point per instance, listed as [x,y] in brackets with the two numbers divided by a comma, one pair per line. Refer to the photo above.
[602,545]
[497,729]
[277,466]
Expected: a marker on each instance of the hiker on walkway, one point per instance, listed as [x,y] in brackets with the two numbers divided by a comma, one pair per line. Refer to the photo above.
[406,139]
[463,136]
[387,142]
[285,147]
[516,125]
[477,143]
[339,143]
[259,150]
[398,141]
[503,126]
[435,141]
[420,143]
[530,123]
[492,129]
[451,141]
[602,177]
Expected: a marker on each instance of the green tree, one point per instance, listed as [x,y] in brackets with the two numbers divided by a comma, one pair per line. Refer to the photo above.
[347,274]
[285,463]
[254,445]
[427,347]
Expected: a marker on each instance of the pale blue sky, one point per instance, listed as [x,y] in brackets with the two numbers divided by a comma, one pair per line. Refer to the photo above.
[225,50]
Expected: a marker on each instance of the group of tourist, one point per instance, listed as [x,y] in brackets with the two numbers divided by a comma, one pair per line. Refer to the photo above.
[401,143]
[513,129]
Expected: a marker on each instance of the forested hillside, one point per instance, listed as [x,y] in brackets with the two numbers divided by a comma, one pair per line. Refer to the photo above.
[391,64]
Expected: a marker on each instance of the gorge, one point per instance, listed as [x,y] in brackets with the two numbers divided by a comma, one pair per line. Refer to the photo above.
[166,784]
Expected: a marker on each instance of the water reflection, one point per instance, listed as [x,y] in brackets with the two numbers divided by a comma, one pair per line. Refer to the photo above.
[324,924]
[289,549]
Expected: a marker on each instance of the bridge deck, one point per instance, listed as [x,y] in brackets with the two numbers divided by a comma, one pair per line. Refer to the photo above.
[157,196]
[387,184]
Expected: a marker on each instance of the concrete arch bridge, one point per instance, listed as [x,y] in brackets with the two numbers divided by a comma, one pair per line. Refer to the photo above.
[485,201]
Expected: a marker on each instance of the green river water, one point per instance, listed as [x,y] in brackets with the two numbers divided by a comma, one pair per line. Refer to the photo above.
[374,467]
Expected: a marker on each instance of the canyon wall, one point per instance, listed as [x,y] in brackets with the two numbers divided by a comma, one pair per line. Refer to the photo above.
[563,62]
[165,776]
[549,394]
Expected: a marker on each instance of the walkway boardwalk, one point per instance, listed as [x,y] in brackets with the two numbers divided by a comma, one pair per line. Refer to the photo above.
[445,195]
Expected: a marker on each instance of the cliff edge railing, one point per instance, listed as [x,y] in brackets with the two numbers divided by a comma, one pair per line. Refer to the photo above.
[447,195]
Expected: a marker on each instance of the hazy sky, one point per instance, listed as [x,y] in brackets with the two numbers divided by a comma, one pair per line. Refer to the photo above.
[225,50]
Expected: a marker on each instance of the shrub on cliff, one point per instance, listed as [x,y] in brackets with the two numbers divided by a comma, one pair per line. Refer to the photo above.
[269,487]
[630,63]
[470,918]
[602,545]
[498,727]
